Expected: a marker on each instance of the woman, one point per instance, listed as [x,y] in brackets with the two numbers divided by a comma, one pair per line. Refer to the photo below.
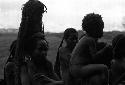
[63,56]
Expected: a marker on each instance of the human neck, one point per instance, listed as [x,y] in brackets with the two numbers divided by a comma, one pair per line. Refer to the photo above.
[96,39]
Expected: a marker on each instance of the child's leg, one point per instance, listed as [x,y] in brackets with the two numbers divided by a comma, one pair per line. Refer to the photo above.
[94,80]
[99,79]
[78,71]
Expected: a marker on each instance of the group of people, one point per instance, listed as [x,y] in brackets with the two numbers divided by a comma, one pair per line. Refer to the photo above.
[89,61]
[80,61]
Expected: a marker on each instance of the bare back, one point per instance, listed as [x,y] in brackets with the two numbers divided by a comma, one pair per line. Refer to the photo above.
[82,53]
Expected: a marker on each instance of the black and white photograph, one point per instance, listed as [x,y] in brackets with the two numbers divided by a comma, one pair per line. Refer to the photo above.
[62,42]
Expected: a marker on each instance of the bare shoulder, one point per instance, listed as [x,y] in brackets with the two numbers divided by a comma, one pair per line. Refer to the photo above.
[85,41]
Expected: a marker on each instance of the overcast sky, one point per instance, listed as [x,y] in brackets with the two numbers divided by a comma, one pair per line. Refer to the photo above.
[62,14]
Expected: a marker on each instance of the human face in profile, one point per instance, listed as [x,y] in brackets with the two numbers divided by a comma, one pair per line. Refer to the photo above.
[72,39]
[40,51]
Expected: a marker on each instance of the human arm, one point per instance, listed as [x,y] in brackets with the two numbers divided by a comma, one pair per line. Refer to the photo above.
[25,79]
[57,66]
[101,55]
[50,72]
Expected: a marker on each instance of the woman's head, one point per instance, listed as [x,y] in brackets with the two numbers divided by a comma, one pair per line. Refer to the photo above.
[71,36]
[93,25]
[37,48]
[31,22]
[33,9]
[41,48]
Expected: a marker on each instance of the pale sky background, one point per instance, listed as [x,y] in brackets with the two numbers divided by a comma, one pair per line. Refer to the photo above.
[62,14]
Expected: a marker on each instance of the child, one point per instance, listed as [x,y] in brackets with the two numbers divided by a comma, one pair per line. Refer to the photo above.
[63,57]
[83,63]
[118,63]
[37,64]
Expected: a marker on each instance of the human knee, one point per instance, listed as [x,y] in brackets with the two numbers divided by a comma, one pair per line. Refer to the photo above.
[103,68]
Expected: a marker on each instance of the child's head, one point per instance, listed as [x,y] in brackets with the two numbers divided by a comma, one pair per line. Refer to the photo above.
[71,36]
[119,49]
[39,54]
[36,42]
[93,25]
[33,9]
[31,21]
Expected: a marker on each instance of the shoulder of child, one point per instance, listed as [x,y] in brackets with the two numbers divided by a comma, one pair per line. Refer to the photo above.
[86,40]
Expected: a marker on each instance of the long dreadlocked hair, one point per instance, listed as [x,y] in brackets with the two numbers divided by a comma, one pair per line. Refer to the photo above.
[32,13]
[31,43]
[67,33]
[31,23]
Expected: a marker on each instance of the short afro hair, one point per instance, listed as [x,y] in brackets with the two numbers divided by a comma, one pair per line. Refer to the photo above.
[93,24]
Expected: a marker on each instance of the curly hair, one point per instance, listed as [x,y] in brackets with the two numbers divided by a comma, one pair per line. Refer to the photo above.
[93,25]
